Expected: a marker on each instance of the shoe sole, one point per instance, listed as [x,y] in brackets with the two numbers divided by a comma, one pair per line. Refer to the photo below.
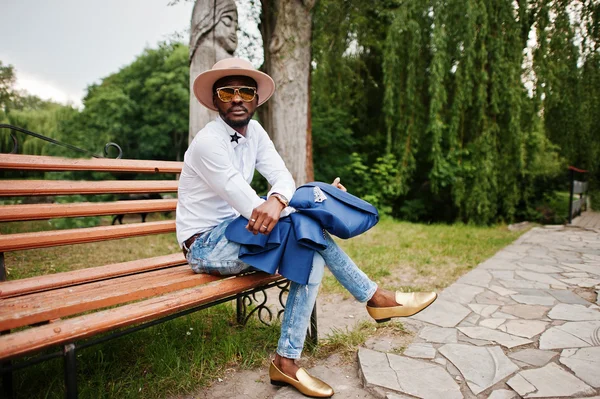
[285,384]
[389,318]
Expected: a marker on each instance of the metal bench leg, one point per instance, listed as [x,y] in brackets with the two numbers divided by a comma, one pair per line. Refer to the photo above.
[7,381]
[70,359]
[240,310]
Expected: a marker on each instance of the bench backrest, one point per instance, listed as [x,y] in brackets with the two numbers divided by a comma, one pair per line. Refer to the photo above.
[26,188]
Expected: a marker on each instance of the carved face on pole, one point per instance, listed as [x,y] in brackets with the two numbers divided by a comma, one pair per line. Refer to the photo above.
[226,31]
[214,22]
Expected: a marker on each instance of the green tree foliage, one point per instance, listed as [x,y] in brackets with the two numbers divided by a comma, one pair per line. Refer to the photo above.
[29,112]
[143,107]
[7,89]
[435,90]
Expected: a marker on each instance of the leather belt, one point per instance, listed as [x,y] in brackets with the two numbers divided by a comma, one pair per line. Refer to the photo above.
[188,243]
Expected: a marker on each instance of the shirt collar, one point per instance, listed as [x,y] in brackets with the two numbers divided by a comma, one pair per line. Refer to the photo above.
[232,136]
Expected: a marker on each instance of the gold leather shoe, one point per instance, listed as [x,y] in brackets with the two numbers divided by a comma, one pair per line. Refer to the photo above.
[305,383]
[412,303]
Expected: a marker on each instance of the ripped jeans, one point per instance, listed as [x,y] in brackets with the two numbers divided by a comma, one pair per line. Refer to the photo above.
[212,253]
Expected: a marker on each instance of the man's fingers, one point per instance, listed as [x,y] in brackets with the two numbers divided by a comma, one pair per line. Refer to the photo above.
[270,227]
[261,221]
[336,183]
[252,220]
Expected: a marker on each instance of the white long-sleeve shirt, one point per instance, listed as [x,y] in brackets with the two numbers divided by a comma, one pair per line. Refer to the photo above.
[215,180]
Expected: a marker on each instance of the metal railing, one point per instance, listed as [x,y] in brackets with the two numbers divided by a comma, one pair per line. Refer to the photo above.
[578,192]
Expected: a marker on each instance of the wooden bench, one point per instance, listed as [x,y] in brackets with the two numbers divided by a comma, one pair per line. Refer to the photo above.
[62,309]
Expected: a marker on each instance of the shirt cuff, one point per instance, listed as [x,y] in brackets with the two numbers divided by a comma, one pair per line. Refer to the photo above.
[286,192]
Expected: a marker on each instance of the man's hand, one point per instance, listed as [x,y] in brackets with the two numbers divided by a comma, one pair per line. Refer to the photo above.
[265,216]
[336,183]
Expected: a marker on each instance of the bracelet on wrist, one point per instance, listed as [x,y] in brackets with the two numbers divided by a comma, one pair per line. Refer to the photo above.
[281,199]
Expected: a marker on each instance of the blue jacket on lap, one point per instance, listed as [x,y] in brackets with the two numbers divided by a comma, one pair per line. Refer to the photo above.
[290,246]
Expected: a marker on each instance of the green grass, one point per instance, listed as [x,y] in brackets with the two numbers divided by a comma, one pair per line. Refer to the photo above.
[411,256]
[170,358]
[165,360]
[346,342]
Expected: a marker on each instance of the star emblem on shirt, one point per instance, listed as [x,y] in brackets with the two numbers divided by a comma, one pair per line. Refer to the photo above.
[235,137]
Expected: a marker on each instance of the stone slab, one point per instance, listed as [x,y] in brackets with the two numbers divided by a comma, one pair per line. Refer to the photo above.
[534,300]
[390,395]
[524,328]
[533,357]
[539,277]
[576,334]
[585,363]
[523,284]
[481,367]
[477,342]
[566,296]
[576,274]
[443,313]
[439,335]
[498,264]
[581,282]
[501,290]
[502,315]
[541,268]
[549,381]
[487,334]
[406,376]
[503,274]
[491,298]
[592,269]
[492,323]
[376,371]
[470,321]
[477,277]
[483,310]
[531,312]
[573,312]
[420,350]
[461,293]
[502,394]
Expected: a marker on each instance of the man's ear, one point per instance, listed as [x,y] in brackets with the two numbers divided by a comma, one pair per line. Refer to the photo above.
[215,100]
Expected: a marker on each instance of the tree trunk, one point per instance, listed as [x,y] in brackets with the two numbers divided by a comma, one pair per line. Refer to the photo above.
[286,30]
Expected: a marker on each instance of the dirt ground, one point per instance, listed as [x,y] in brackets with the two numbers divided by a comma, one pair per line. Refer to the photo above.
[334,312]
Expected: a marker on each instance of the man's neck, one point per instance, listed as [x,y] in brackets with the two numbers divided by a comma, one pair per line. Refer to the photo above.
[241,130]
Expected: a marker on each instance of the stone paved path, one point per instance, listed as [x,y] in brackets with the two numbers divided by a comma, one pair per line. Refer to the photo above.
[524,323]
[588,219]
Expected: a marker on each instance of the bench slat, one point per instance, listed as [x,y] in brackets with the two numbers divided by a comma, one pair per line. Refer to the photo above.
[10,213]
[68,330]
[15,188]
[48,163]
[43,239]
[65,279]
[48,305]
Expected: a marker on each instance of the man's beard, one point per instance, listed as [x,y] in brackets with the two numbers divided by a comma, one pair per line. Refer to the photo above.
[238,123]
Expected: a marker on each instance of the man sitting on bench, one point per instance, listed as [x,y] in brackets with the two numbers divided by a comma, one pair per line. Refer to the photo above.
[214,188]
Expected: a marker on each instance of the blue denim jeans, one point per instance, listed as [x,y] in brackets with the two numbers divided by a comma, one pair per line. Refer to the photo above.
[212,253]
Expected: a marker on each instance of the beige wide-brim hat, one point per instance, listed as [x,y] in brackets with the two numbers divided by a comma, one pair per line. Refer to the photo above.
[203,84]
